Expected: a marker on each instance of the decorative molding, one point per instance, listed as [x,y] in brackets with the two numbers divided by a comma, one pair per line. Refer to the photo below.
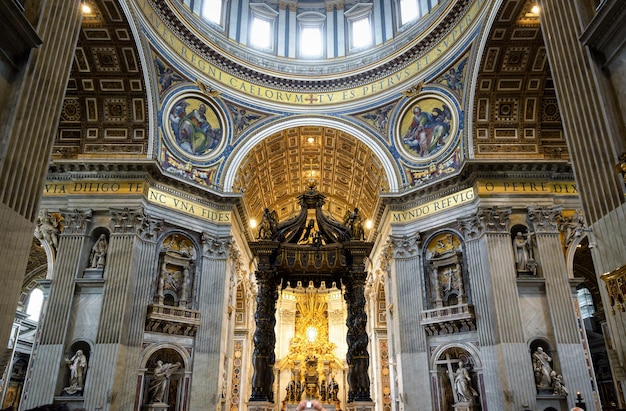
[470,227]
[124,220]
[405,247]
[615,282]
[75,221]
[572,227]
[545,219]
[215,247]
[149,227]
[494,219]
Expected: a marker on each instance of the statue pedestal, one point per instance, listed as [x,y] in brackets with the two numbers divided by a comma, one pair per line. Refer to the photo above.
[93,273]
[361,406]
[156,406]
[558,402]
[463,406]
[261,406]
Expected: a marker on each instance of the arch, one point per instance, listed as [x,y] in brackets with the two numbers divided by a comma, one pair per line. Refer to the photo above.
[150,350]
[469,347]
[571,252]
[380,151]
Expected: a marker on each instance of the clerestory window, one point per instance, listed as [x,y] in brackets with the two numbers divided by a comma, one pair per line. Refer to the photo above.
[360,26]
[262,27]
[311,35]
[212,11]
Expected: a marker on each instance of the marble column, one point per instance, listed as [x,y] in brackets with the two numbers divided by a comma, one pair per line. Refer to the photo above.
[36,91]
[212,303]
[264,337]
[569,347]
[47,359]
[406,294]
[357,357]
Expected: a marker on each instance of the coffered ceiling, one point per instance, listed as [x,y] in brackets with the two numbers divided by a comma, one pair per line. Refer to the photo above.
[276,172]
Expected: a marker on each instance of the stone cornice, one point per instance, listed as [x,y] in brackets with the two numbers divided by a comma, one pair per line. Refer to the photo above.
[142,170]
[471,172]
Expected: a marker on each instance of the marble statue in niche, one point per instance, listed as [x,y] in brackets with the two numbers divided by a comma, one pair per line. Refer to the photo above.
[457,381]
[97,257]
[523,251]
[444,260]
[78,368]
[176,271]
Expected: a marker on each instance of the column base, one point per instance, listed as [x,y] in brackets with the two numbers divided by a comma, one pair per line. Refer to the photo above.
[361,406]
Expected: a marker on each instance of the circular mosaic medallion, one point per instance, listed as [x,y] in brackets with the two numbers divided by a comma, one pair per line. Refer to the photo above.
[426,127]
[194,126]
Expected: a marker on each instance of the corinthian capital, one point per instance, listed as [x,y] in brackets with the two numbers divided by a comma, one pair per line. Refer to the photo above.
[75,221]
[215,247]
[494,219]
[405,247]
[125,220]
[471,227]
[149,227]
[545,219]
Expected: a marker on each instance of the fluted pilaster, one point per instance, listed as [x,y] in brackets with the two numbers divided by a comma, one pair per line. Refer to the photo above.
[50,351]
[409,339]
[593,127]
[510,354]
[106,374]
[478,273]
[212,300]
[35,93]
[409,281]
[569,348]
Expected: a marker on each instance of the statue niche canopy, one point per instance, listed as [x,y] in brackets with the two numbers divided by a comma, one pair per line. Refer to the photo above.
[311,248]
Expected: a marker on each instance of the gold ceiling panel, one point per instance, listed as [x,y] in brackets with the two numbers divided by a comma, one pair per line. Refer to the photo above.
[275,172]
[516,114]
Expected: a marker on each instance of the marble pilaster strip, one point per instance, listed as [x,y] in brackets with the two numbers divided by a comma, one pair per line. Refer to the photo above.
[116,289]
[476,254]
[517,381]
[330,31]
[118,318]
[15,243]
[292,25]
[558,291]
[586,108]
[40,88]
[39,388]
[61,298]
[409,282]
[572,360]
[414,388]
[212,299]
[282,28]
[341,31]
[504,289]
[103,364]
